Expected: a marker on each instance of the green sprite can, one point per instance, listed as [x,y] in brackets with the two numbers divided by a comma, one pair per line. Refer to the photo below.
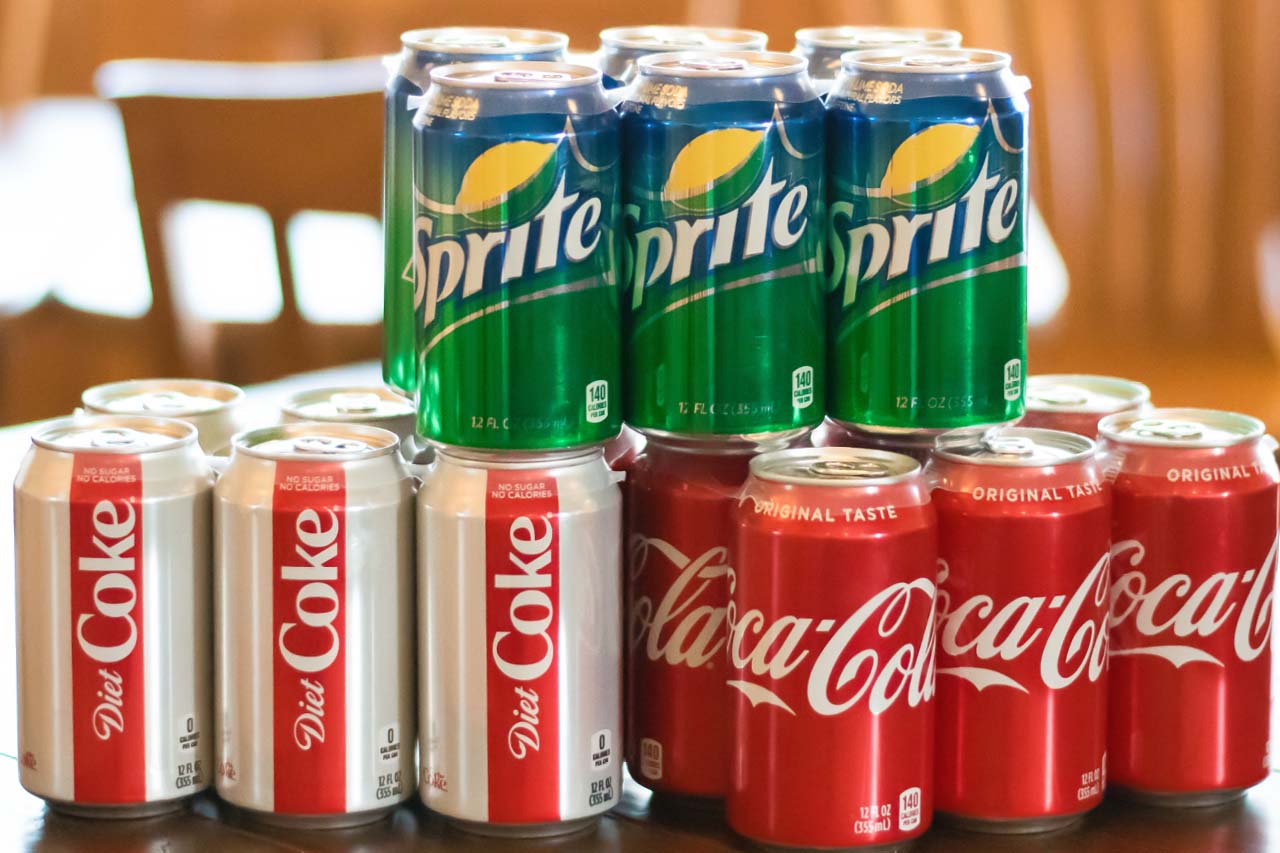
[927,194]
[516,171]
[822,47]
[421,51]
[722,193]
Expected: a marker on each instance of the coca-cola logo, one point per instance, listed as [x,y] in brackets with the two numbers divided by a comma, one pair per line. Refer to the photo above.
[864,659]
[1075,646]
[689,625]
[1177,608]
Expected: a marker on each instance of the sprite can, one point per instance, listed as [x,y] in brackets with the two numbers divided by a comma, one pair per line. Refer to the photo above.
[927,193]
[822,47]
[421,51]
[722,192]
[620,47]
[516,166]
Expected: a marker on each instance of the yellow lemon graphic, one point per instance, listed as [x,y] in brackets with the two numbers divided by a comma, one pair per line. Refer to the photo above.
[506,180]
[931,157]
[715,169]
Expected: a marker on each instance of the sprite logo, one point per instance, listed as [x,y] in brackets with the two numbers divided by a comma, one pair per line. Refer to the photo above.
[942,188]
[514,216]
[721,205]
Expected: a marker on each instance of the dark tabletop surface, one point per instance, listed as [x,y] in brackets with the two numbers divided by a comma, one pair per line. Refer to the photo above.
[637,824]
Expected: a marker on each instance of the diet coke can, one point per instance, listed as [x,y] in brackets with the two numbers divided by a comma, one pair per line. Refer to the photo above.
[314,625]
[370,405]
[520,640]
[213,408]
[114,660]
[1077,402]
[831,647]
[1024,526]
[1192,576]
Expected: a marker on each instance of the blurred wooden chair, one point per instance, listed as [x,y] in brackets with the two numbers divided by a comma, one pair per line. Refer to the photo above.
[286,137]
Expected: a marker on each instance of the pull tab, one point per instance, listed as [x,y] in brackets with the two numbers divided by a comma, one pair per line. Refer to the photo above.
[1010,445]
[164,401]
[114,438]
[714,64]
[1058,395]
[1169,430]
[324,445]
[840,469]
[933,60]
[354,403]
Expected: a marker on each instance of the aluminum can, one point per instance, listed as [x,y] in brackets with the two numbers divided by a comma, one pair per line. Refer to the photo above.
[620,47]
[927,198]
[1024,530]
[1192,579]
[519,643]
[516,240]
[314,614]
[214,408]
[370,405]
[1076,402]
[831,650]
[822,47]
[723,312]
[422,50]
[111,521]
[622,452]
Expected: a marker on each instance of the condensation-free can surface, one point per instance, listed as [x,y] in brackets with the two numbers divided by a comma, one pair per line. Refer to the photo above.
[822,47]
[213,408]
[1078,402]
[620,47]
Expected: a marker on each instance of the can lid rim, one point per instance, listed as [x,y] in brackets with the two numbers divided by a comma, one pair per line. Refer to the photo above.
[295,404]
[183,433]
[907,468]
[838,36]
[452,75]
[866,60]
[95,399]
[786,64]
[627,37]
[417,39]
[1140,394]
[1248,428]
[470,457]
[949,444]
[727,443]
[378,441]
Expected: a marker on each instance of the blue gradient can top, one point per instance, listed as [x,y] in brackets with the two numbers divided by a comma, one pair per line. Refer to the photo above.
[422,50]
[622,47]
[822,47]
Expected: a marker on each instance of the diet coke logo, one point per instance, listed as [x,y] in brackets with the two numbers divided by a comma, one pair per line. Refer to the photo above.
[1177,608]
[1075,646]
[683,628]
[859,660]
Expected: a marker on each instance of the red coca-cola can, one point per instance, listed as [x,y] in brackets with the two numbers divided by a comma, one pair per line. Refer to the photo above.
[1024,526]
[1192,565]
[832,650]
[1077,402]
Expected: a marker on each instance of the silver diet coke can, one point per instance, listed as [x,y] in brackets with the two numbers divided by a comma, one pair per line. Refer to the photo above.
[213,408]
[370,405]
[520,640]
[313,596]
[114,667]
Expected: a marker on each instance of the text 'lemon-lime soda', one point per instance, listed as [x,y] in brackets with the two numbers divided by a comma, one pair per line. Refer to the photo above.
[515,246]
[722,208]
[421,51]
[927,194]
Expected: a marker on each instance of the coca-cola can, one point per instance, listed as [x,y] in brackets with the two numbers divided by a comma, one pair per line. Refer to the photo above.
[370,405]
[918,445]
[831,650]
[114,659]
[1192,577]
[213,408]
[1077,402]
[314,614]
[519,640]
[1024,526]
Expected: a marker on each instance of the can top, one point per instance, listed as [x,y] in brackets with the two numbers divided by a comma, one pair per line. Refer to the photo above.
[514,75]
[483,41]
[1181,428]
[657,38]
[1062,392]
[123,434]
[834,466]
[732,63]
[166,398]
[956,61]
[316,442]
[867,38]
[348,403]
[1013,447]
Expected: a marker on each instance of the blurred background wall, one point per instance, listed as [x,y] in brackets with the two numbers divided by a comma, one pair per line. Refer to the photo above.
[1156,164]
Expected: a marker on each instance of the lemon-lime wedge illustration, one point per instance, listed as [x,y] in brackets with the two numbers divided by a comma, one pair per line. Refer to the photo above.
[715,169]
[937,161]
[506,181]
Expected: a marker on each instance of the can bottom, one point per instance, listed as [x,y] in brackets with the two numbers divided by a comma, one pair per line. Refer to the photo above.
[344,820]
[673,801]
[1012,826]
[887,847]
[118,811]
[1180,799]
[526,830]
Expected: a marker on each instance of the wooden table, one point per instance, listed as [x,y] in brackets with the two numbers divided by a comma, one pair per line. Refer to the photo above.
[639,823]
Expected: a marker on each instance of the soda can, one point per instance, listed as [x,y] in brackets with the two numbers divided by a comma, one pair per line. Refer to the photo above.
[724,316]
[361,404]
[1192,579]
[519,641]
[822,47]
[832,434]
[831,650]
[1024,528]
[926,203]
[214,408]
[620,47]
[1077,402]
[422,50]
[314,614]
[517,177]
[114,658]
